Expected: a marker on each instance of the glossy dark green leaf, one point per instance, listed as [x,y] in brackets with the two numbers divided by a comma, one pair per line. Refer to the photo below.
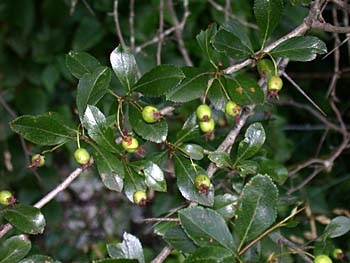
[244,90]
[124,66]
[247,167]
[211,254]
[130,248]
[228,42]
[267,14]
[26,218]
[254,139]
[194,151]
[338,226]
[187,133]
[192,87]
[204,39]
[225,205]
[133,181]
[89,33]
[177,238]
[257,210]
[185,175]
[45,129]
[95,123]
[221,159]
[80,63]
[236,29]
[154,177]
[217,95]
[159,80]
[275,170]
[116,260]
[49,77]
[154,132]
[92,87]
[110,169]
[38,259]
[301,48]
[14,249]
[206,227]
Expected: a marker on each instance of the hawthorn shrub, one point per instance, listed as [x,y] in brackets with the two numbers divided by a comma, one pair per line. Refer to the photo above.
[187,132]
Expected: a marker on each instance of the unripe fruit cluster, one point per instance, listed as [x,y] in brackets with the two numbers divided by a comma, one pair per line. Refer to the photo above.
[6,197]
[204,115]
[130,144]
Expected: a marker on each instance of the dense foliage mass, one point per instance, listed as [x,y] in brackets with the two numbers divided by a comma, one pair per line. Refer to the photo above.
[174,131]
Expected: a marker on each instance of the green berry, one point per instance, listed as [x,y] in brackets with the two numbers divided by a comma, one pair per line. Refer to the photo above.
[203,112]
[38,160]
[265,67]
[5,197]
[337,253]
[207,126]
[322,259]
[130,144]
[140,197]
[82,156]
[150,114]
[202,181]
[275,83]
[232,108]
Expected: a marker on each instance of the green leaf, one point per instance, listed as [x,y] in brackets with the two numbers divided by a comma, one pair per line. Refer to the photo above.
[204,39]
[244,90]
[26,218]
[38,259]
[227,42]
[116,260]
[257,210]
[194,151]
[247,167]
[92,87]
[225,205]
[177,238]
[80,63]
[154,132]
[268,15]
[211,254]
[159,80]
[338,226]
[124,66]
[14,249]
[49,77]
[221,159]
[154,177]
[95,123]
[133,181]
[46,129]
[185,175]
[130,248]
[187,134]
[275,170]
[217,95]
[110,169]
[300,48]
[254,139]
[192,87]
[206,227]
[236,29]
[89,33]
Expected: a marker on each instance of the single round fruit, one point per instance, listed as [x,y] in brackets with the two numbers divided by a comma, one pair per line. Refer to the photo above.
[203,112]
[130,144]
[232,108]
[338,253]
[5,197]
[140,197]
[265,68]
[322,259]
[38,160]
[275,83]
[202,181]
[150,114]
[207,126]
[82,156]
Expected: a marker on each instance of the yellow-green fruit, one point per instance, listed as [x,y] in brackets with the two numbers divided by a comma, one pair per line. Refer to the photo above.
[82,156]
[322,259]
[203,112]
[140,197]
[130,144]
[265,67]
[338,253]
[207,126]
[202,181]
[232,108]
[275,83]
[5,197]
[36,162]
[150,114]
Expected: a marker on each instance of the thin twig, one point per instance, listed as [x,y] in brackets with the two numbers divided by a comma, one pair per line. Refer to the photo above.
[162,219]
[131,24]
[162,255]
[160,31]
[116,21]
